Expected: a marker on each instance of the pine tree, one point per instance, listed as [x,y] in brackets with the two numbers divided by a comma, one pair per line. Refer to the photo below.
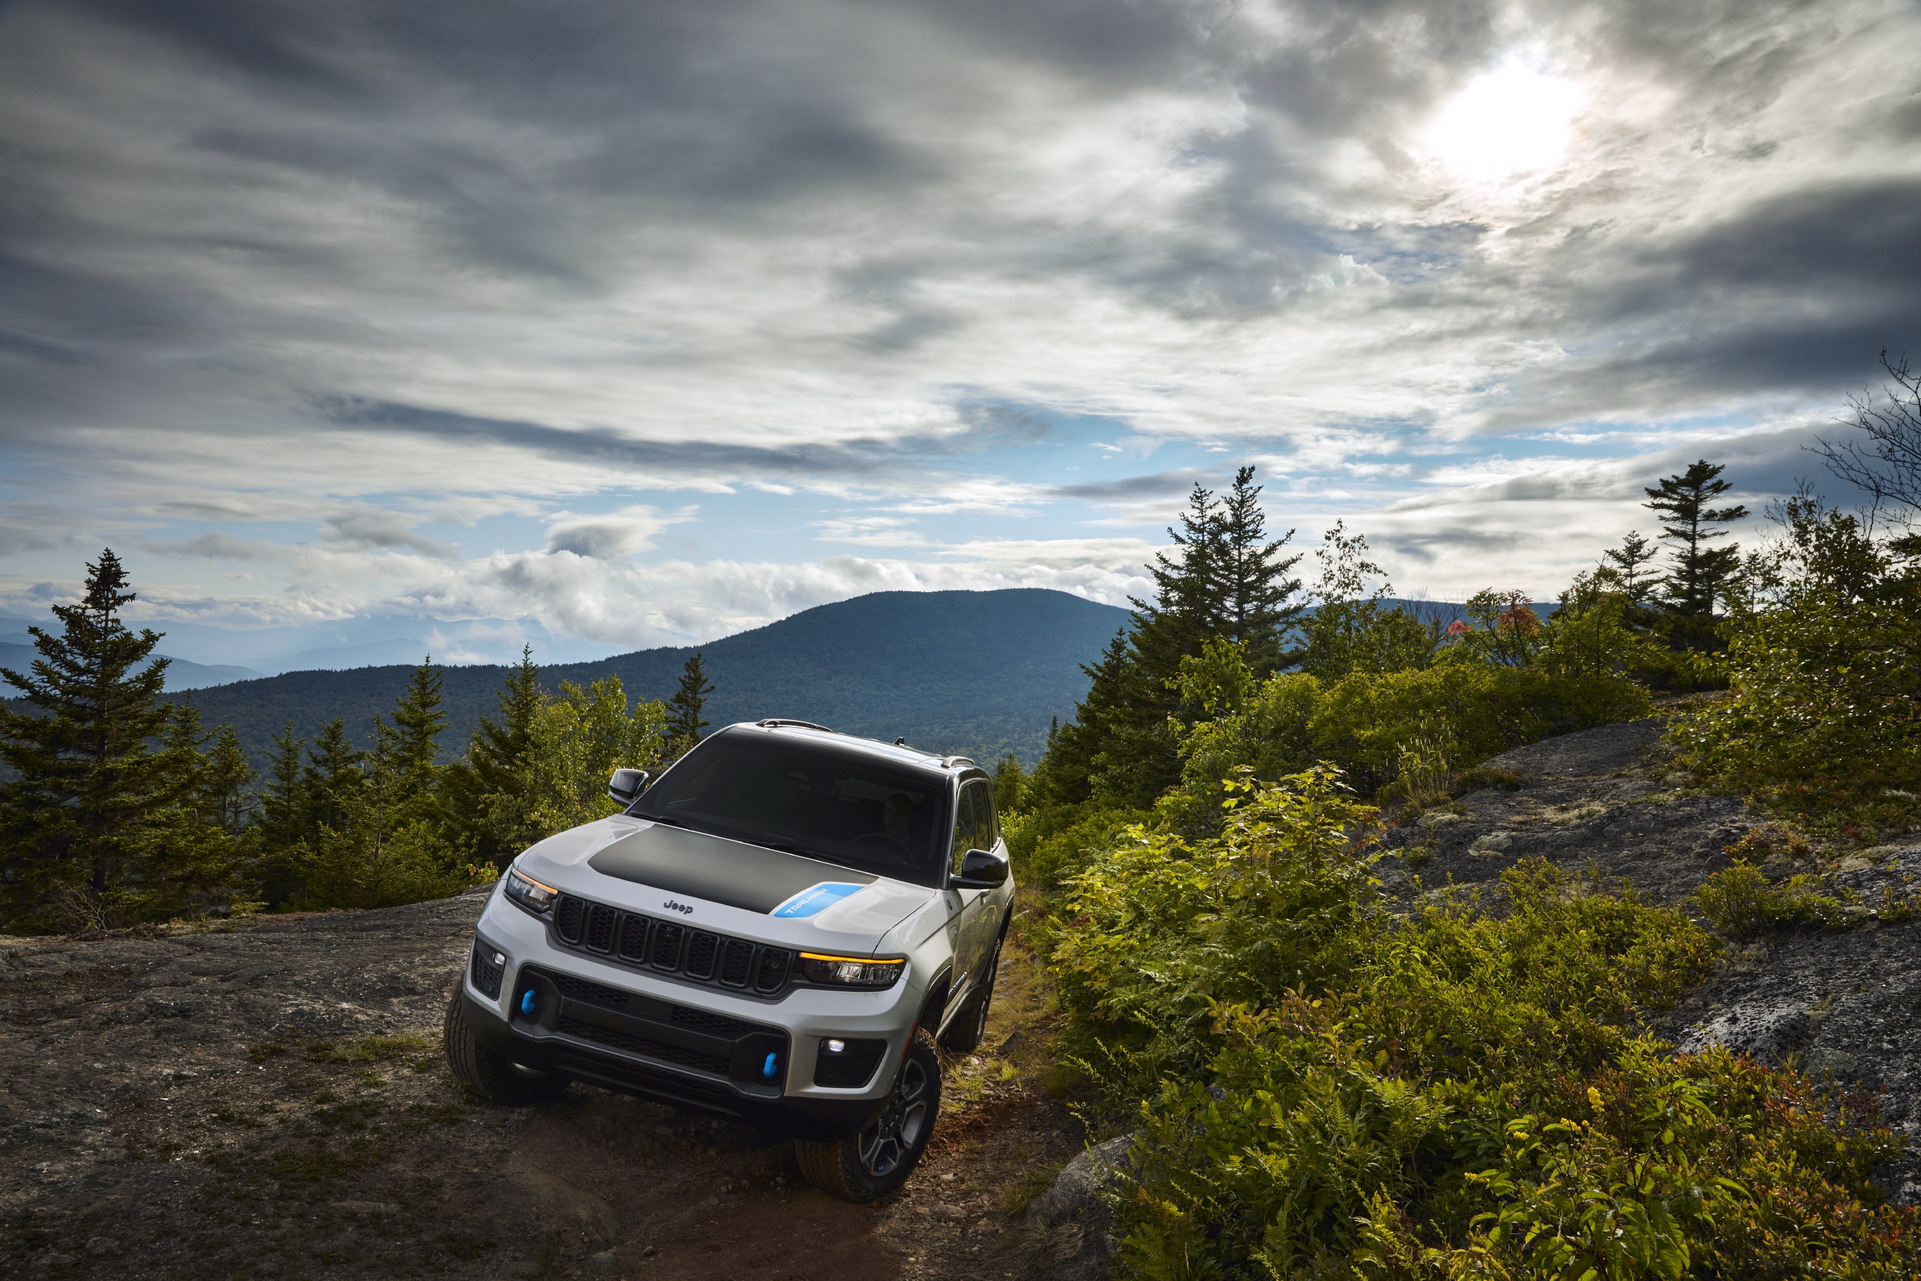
[286,806]
[81,817]
[1187,603]
[226,782]
[330,779]
[684,722]
[282,800]
[1257,609]
[1066,772]
[202,860]
[383,853]
[1630,568]
[490,797]
[1225,579]
[412,739]
[1699,571]
[1010,785]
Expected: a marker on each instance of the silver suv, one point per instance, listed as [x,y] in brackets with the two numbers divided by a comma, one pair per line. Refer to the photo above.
[780,929]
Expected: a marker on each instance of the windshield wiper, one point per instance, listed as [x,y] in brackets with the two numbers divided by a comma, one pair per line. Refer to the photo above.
[668,819]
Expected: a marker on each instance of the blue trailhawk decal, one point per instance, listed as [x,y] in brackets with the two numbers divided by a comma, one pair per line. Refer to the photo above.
[810,901]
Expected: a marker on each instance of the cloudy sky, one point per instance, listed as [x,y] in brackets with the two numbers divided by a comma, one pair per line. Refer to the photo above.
[647,322]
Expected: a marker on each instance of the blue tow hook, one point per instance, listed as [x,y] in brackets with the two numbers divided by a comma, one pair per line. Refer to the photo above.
[529,1002]
[770,1066]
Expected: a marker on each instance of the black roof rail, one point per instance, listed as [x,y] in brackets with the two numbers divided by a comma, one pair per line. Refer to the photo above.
[781,722]
[950,761]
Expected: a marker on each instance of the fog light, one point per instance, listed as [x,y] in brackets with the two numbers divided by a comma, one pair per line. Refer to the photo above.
[834,1047]
[770,1067]
[500,958]
[529,1002]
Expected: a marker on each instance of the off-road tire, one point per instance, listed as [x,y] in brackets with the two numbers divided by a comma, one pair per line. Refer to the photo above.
[484,1073]
[969,1028]
[848,1168]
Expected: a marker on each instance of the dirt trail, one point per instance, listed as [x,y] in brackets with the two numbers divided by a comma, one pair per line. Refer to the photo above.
[271,1102]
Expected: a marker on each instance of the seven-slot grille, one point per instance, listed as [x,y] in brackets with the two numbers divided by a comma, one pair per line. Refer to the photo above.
[670,947]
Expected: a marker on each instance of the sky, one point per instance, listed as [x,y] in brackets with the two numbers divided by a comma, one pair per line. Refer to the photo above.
[624,324]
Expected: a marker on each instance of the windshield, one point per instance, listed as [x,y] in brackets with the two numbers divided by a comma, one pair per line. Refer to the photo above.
[808,798]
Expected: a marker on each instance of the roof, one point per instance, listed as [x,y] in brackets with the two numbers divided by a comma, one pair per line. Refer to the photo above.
[807,731]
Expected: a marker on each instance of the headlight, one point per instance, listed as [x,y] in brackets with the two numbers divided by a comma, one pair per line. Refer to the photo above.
[529,893]
[849,971]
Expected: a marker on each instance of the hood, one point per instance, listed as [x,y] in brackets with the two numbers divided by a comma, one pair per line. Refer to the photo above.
[726,885]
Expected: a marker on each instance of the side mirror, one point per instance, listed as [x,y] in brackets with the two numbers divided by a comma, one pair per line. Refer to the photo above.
[624,787]
[980,870]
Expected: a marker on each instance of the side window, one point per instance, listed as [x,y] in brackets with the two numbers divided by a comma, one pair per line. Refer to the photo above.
[989,821]
[966,826]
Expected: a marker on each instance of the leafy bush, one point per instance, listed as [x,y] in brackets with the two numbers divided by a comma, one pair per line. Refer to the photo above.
[1262,725]
[1740,902]
[1160,929]
[1049,846]
[1825,664]
[1476,777]
[1325,1092]
[1478,709]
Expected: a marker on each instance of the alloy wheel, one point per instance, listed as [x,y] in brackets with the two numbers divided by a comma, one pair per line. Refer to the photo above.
[902,1126]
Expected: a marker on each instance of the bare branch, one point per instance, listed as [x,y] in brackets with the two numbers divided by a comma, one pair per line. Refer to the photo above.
[1884,460]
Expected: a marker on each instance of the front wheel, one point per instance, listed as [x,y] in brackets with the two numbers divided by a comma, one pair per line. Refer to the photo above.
[875,1162]
[484,1073]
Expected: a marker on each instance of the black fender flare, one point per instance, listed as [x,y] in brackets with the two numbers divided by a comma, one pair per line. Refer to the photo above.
[934,1006]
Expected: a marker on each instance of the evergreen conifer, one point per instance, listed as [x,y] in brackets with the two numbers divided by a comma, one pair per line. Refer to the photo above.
[82,815]
[285,805]
[1225,579]
[412,740]
[1630,569]
[331,778]
[1255,597]
[684,721]
[1700,571]
[491,798]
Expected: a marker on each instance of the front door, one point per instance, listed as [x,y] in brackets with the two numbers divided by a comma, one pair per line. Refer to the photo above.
[973,922]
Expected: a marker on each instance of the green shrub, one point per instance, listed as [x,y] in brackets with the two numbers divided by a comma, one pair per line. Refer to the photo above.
[1480,776]
[1323,1091]
[1825,664]
[1478,709]
[1160,929]
[1051,845]
[1263,726]
[1474,1103]
[1740,902]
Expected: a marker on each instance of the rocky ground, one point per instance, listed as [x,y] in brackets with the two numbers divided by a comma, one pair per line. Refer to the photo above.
[270,1102]
[1839,1004]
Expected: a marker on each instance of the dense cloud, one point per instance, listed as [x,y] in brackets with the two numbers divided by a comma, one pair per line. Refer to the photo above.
[319,289]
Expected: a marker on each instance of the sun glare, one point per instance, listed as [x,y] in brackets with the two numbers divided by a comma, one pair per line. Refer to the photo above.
[1507,124]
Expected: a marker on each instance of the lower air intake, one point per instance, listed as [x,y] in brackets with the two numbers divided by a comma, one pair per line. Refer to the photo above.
[487,973]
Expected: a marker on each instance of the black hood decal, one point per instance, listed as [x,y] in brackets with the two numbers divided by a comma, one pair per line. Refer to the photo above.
[676,860]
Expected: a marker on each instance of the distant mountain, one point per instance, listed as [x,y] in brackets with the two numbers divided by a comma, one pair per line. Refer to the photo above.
[370,641]
[181,675]
[981,673]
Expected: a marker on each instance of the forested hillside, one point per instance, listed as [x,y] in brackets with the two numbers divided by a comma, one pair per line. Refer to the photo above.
[181,674]
[982,673]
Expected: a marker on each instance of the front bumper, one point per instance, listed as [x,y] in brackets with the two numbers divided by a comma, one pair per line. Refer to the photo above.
[649,1078]
[677,1042]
